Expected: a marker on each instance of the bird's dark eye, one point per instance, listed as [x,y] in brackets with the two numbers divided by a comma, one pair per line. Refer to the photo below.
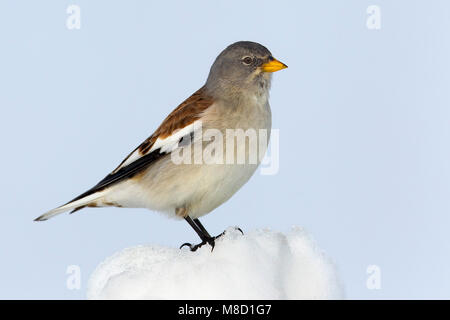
[247,60]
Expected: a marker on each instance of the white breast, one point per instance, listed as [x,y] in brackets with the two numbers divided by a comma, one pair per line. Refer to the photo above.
[201,188]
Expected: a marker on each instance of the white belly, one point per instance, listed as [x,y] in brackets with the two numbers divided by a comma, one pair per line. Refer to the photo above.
[200,188]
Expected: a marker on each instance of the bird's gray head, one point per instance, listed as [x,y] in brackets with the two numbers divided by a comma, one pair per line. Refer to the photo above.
[242,68]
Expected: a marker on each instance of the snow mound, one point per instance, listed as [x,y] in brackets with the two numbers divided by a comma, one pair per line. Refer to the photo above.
[259,265]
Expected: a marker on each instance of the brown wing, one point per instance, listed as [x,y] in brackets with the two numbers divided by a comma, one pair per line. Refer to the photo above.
[185,114]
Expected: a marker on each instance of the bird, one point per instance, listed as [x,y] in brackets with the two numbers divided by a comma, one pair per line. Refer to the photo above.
[235,96]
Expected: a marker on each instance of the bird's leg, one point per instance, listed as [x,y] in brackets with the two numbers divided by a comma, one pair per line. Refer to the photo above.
[201,227]
[202,233]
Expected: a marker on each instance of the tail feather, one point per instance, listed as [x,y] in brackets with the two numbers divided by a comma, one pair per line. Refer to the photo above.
[73,205]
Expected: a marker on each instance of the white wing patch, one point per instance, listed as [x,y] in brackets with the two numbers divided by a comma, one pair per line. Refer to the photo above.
[170,143]
[130,159]
[166,145]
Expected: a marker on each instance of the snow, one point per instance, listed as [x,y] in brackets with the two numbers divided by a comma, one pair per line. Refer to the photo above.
[262,264]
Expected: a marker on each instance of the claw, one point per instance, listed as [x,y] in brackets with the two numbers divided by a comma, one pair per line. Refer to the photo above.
[211,241]
[193,248]
[236,228]
[186,244]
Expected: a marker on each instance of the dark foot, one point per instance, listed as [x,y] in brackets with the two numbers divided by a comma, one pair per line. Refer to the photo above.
[193,248]
[209,240]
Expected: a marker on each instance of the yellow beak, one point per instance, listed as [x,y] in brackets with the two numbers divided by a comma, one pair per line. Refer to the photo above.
[273,65]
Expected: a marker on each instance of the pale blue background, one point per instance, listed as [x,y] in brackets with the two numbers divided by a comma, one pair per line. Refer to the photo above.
[363,117]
